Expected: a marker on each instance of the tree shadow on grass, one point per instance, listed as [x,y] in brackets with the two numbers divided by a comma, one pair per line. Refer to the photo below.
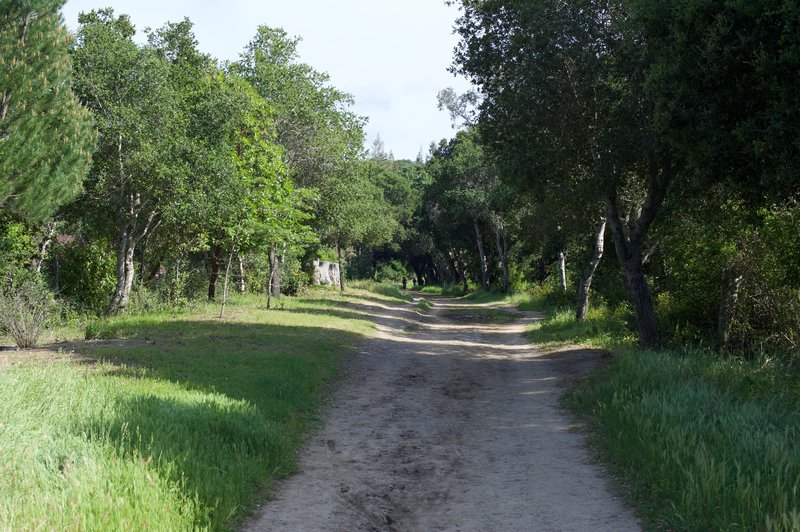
[218,451]
[278,368]
[356,312]
[245,395]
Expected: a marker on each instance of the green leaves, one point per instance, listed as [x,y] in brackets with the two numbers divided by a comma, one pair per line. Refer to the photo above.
[314,124]
[46,136]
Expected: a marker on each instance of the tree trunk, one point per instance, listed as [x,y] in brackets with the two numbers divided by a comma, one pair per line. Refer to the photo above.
[275,272]
[727,308]
[142,265]
[562,270]
[241,287]
[588,273]
[225,282]
[417,274]
[125,269]
[341,271]
[502,251]
[126,246]
[269,289]
[482,257]
[454,275]
[212,281]
[629,253]
[42,246]
[174,285]
[542,271]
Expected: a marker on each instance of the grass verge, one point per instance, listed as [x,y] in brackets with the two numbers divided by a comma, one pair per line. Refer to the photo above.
[183,426]
[601,329]
[453,290]
[700,443]
[696,441]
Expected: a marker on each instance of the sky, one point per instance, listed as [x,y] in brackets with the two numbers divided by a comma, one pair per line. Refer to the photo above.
[391,55]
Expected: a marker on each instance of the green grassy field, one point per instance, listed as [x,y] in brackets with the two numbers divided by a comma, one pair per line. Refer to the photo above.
[696,441]
[179,424]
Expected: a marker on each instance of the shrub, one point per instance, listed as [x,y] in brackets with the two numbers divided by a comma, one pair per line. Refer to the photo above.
[27,309]
[293,279]
[84,273]
[392,271]
[16,247]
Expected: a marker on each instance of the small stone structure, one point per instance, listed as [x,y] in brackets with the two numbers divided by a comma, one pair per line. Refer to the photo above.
[326,273]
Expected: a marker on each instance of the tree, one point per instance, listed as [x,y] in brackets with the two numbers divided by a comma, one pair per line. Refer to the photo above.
[563,82]
[319,135]
[270,211]
[136,174]
[464,181]
[355,213]
[312,120]
[46,136]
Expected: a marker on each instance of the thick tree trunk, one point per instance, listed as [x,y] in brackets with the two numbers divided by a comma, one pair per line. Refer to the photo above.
[727,308]
[482,257]
[562,270]
[451,262]
[629,253]
[341,271]
[588,273]
[216,256]
[542,270]
[502,251]
[126,247]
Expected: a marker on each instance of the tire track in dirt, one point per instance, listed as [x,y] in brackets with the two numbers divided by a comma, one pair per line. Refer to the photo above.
[448,425]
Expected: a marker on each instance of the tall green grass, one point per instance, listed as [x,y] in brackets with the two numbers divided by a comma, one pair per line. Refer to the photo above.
[700,443]
[184,426]
[697,442]
[388,291]
[602,328]
[454,290]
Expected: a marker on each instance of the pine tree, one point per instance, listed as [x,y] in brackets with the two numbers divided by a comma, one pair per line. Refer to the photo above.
[46,135]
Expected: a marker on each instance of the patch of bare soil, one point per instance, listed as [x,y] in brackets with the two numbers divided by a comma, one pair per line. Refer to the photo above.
[449,424]
[79,352]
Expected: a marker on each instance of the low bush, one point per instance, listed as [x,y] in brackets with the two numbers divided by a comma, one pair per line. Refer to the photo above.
[83,273]
[27,310]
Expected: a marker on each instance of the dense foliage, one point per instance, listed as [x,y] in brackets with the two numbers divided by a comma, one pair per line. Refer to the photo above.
[671,129]
[673,124]
[243,172]
[46,136]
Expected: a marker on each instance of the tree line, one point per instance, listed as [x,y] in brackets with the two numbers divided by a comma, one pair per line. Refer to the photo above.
[156,170]
[670,130]
[668,133]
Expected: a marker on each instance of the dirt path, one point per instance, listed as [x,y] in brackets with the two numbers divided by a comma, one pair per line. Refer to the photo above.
[448,424]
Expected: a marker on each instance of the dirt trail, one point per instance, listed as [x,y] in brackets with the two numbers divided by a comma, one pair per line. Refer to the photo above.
[448,424]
